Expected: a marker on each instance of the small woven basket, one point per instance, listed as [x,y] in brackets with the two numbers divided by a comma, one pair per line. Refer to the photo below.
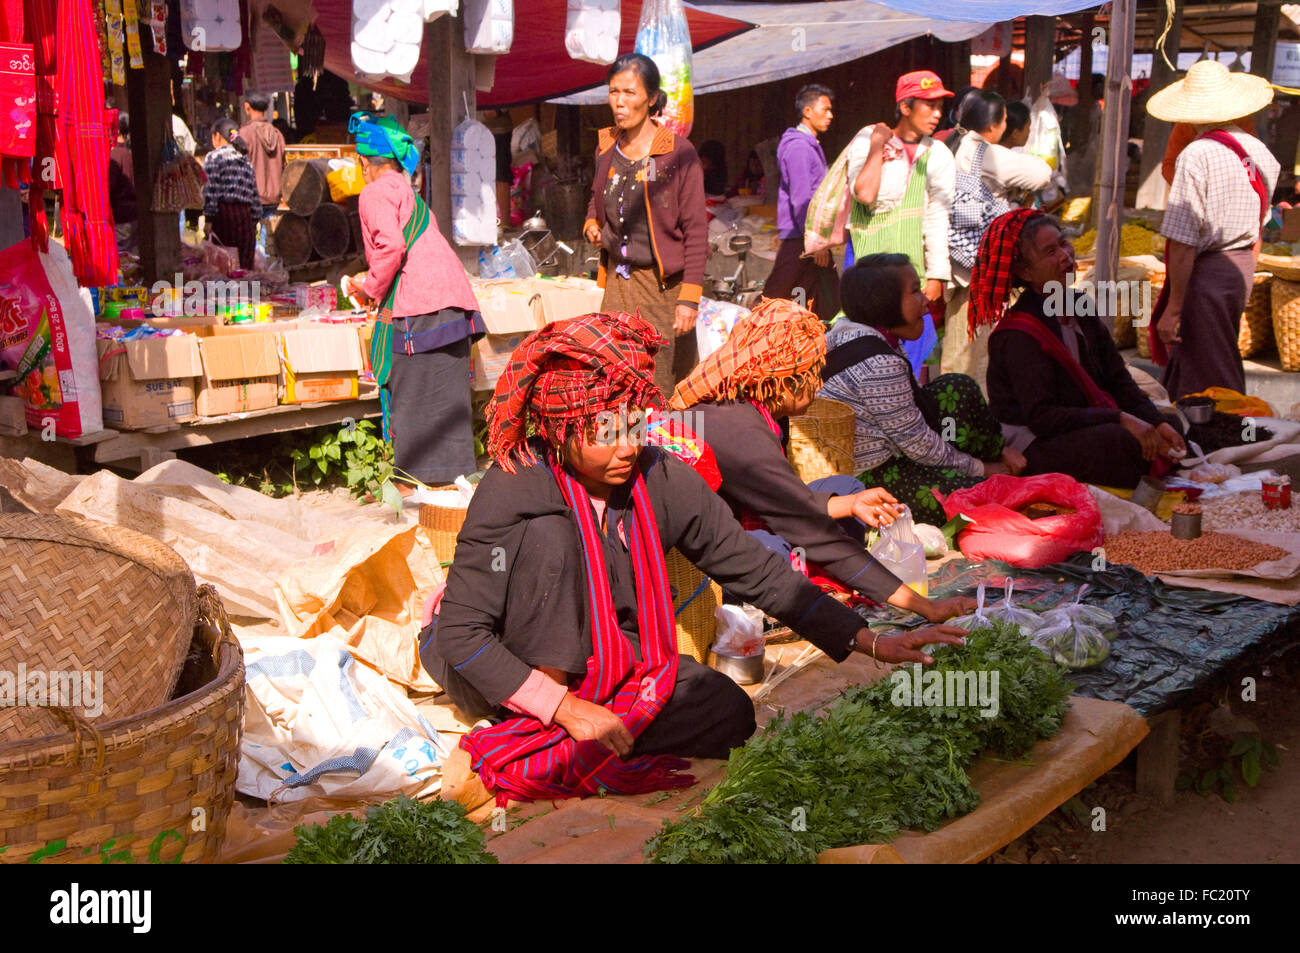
[443,524]
[695,598]
[821,441]
[89,606]
[154,787]
[1286,321]
[1256,332]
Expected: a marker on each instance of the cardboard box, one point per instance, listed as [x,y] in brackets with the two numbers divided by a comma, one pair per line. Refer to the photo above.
[564,298]
[320,362]
[509,307]
[149,382]
[491,354]
[241,372]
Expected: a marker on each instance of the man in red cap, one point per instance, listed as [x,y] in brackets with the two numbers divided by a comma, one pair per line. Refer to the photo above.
[903,182]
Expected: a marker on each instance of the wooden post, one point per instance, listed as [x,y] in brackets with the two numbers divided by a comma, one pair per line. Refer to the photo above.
[568,127]
[1081,130]
[1263,49]
[451,91]
[1157,755]
[149,97]
[1108,202]
[1040,50]
[1155,134]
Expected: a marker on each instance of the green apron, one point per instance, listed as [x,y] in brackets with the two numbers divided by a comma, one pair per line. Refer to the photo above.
[897,231]
[381,344]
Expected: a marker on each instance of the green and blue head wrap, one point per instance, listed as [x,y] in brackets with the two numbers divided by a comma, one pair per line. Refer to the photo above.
[382,136]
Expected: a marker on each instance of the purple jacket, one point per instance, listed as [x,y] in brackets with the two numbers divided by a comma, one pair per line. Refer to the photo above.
[803,165]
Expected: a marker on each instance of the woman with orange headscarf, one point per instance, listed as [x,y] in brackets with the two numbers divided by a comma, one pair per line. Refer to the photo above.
[557,621]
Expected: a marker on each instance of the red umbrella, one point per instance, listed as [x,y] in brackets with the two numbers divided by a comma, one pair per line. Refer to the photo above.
[537,67]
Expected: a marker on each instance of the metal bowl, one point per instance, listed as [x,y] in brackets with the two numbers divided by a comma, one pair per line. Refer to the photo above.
[1197,410]
[742,671]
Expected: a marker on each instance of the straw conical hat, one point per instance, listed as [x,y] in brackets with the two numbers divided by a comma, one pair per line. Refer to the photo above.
[1210,94]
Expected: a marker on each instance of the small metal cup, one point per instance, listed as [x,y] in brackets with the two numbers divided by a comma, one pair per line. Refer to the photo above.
[1148,493]
[1185,525]
[742,671]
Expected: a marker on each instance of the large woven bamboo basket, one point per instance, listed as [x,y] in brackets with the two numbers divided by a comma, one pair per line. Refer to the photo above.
[154,787]
[86,604]
[1256,332]
[443,524]
[821,441]
[1143,342]
[695,598]
[1286,322]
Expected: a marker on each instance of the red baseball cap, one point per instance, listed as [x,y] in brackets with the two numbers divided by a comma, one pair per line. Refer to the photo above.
[921,84]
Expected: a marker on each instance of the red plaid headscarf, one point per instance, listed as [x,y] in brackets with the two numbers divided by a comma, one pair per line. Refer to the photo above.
[562,376]
[991,278]
[778,345]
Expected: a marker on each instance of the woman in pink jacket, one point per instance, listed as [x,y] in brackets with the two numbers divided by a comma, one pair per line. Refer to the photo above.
[417,283]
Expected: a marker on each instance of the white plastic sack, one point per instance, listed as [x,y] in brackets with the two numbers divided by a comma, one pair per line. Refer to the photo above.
[489,25]
[1045,142]
[320,724]
[473,184]
[740,631]
[211,26]
[386,37]
[591,30]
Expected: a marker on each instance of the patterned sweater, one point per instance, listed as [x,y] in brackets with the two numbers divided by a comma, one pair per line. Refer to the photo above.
[230,179]
[888,423]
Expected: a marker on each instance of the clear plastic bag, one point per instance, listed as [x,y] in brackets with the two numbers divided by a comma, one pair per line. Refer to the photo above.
[1029,622]
[901,552]
[1075,645]
[977,618]
[740,631]
[663,35]
[1078,611]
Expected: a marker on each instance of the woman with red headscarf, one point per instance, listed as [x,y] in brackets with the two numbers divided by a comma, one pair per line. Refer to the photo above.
[1056,382]
[557,621]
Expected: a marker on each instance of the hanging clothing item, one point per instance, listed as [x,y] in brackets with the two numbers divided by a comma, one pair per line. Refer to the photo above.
[17,96]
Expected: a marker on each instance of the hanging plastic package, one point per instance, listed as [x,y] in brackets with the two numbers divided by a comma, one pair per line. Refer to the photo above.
[663,35]
[977,618]
[47,335]
[473,184]
[386,37]
[489,25]
[1080,611]
[1045,141]
[1008,611]
[591,30]
[899,551]
[18,92]
[209,26]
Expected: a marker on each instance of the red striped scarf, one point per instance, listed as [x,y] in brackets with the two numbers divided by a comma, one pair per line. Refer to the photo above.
[522,760]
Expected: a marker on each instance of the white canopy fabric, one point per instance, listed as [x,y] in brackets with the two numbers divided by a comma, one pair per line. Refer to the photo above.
[797,38]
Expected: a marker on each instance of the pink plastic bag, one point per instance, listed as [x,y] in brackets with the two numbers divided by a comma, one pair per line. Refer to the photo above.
[1000,532]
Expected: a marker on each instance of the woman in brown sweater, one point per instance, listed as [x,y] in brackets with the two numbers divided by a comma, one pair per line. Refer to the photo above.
[647,214]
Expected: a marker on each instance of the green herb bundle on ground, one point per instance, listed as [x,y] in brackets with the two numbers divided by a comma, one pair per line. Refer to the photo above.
[401,831]
[869,768]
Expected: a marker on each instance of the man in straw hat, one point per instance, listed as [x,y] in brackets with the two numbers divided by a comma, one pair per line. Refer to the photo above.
[1216,206]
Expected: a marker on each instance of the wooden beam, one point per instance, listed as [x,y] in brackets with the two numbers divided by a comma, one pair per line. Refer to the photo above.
[1079,136]
[1155,134]
[149,97]
[1108,201]
[1263,47]
[1040,47]
[452,96]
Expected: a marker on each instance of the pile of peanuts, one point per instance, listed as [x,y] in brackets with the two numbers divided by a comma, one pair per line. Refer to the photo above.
[1247,511]
[1160,552]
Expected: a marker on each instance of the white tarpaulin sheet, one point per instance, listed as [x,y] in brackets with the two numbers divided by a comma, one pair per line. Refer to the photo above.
[796,38]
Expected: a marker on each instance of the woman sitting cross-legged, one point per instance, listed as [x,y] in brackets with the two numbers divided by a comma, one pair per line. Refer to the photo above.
[1056,381]
[907,438]
[767,369]
[557,624]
